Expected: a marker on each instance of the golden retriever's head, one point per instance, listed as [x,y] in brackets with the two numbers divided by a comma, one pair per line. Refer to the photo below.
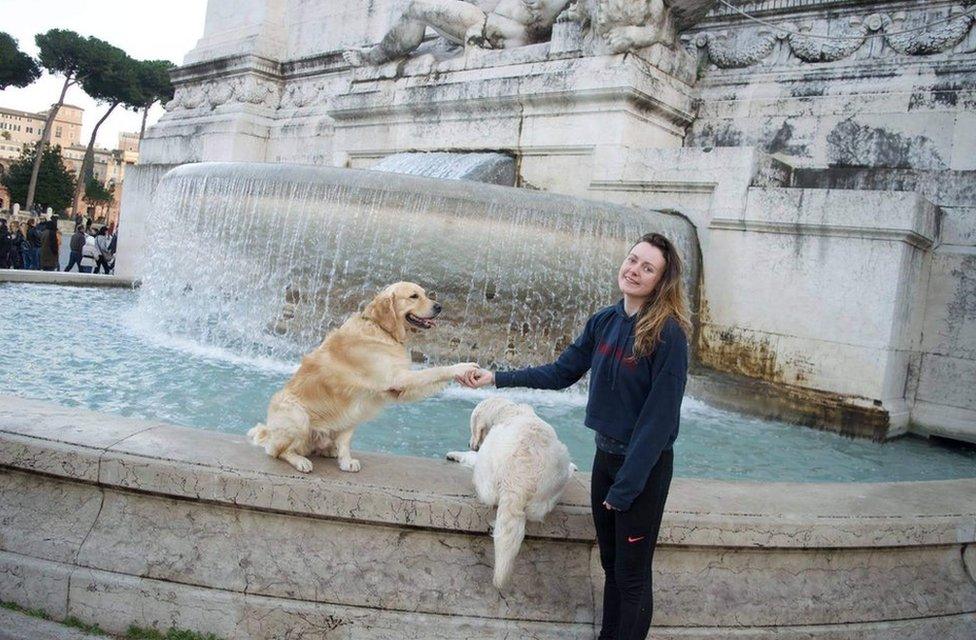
[402,305]
[491,412]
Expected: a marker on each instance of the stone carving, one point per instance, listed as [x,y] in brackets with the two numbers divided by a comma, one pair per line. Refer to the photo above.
[209,95]
[810,49]
[619,26]
[734,50]
[941,37]
[220,93]
[501,24]
[257,91]
[749,46]
[299,95]
[609,26]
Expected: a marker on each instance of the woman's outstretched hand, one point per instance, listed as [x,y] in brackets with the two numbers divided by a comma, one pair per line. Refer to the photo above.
[476,378]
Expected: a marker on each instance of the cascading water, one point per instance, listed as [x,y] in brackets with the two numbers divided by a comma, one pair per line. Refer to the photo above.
[493,168]
[263,259]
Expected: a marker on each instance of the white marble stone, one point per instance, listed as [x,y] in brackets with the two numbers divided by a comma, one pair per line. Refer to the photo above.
[198,530]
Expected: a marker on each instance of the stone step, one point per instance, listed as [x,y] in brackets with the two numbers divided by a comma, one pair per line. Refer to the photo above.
[20,626]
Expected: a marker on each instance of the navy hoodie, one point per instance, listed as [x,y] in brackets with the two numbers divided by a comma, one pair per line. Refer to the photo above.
[633,401]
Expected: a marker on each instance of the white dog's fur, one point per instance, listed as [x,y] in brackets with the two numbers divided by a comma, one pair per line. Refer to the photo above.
[520,465]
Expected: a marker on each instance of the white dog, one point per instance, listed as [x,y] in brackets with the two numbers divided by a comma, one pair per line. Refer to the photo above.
[520,465]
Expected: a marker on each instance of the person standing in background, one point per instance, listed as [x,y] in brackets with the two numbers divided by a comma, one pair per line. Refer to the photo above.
[77,244]
[103,243]
[4,244]
[17,240]
[50,245]
[34,245]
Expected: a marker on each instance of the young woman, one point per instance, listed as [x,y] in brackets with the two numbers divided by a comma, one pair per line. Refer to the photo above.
[637,355]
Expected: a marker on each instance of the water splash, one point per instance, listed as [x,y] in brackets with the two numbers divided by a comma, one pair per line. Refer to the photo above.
[493,168]
[264,259]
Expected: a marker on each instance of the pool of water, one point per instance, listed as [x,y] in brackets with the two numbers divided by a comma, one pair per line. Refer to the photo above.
[92,348]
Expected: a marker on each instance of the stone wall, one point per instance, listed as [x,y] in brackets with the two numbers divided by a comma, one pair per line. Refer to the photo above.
[893,113]
[117,521]
[700,128]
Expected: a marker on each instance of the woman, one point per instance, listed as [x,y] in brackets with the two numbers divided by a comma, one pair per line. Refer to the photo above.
[105,258]
[637,355]
[34,239]
[50,246]
[89,254]
[17,240]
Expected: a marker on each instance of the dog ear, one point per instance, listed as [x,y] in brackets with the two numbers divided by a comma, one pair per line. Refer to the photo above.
[382,311]
[479,428]
[484,417]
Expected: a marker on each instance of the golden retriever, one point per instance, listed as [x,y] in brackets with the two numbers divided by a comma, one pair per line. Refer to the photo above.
[358,369]
[520,465]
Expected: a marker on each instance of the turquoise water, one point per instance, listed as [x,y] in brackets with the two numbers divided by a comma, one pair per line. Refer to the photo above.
[89,347]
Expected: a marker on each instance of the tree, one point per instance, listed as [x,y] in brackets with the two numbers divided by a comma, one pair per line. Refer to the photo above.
[17,69]
[97,195]
[116,83]
[55,183]
[154,86]
[74,57]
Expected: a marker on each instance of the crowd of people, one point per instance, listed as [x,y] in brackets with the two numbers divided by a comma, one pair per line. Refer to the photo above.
[36,245]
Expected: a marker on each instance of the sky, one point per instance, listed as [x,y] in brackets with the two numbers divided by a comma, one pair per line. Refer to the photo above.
[144,30]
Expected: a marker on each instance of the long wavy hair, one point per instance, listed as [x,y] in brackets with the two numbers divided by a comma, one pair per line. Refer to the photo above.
[667,300]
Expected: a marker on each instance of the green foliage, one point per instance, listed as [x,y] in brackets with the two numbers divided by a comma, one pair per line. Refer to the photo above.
[61,51]
[55,184]
[96,193]
[75,623]
[139,633]
[154,81]
[66,53]
[115,80]
[17,69]
[34,613]
[133,633]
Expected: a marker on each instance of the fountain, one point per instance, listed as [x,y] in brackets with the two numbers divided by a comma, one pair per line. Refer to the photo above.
[827,293]
[298,248]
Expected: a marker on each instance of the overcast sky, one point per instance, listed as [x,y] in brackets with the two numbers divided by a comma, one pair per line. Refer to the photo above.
[145,30]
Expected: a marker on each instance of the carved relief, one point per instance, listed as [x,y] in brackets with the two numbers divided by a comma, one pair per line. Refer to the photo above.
[935,40]
[212,94]
[811,49]
[865,37]
[734,50]
[299,95]
[626,25]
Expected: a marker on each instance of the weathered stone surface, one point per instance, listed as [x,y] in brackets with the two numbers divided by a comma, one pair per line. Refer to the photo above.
[892,110]
[20,626]
[35,584]
[269,553]
[45,518]
[63,277]
[301,558]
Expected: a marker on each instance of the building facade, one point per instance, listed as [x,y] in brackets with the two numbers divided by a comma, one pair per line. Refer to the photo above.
[19,128]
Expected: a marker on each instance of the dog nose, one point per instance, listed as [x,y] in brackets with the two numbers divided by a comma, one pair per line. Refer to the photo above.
[437,308]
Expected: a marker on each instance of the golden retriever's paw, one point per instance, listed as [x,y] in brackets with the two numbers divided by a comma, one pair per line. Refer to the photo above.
[302,464]
[463,368]
[455,456]
[351,465]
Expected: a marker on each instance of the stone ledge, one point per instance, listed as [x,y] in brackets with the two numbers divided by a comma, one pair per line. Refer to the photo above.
[60,277]
[120,521]
[398,490]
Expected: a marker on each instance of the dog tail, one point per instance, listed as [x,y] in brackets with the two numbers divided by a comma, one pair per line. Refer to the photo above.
[258,434]
[508,535]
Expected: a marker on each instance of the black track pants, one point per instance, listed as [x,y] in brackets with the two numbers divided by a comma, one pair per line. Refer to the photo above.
[627,540]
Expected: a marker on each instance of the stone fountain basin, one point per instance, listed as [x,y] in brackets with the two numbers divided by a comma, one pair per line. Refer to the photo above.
[118,521]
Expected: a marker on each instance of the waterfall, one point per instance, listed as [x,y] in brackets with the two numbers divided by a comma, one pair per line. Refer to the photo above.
[264,259]
[493,168]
